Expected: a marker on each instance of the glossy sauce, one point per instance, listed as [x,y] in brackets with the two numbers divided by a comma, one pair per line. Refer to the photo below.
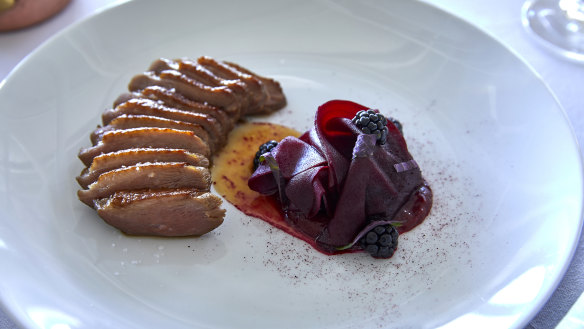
[234,165]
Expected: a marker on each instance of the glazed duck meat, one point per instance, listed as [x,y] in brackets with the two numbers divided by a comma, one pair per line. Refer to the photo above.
[147,170]
[124,139]
[165,212]
[113,160]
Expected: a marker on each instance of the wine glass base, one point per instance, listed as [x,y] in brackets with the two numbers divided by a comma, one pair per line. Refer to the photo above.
[551,27]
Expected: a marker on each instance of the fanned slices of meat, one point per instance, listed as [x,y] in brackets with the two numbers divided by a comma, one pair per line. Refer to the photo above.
[221,96]
[172,99]
[272,89]
[117,140]
[216,134]
[147,172]
[167,212]
[128,121]
[250,97]
[147,175]
[114,160]
[251,85]
[246,88]
[195,72]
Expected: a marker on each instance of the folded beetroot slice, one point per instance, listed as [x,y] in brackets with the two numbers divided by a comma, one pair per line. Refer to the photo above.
[334,178]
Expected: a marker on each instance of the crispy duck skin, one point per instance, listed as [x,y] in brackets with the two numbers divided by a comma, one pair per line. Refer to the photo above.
[127,121]
[259,94]
[221,96]
[216,133]
[251,85]
[272,89]
[194,72]
[250,98]
[147,172]
[175,100]
[147,175]
[165,212]
[117,140]
[114,160]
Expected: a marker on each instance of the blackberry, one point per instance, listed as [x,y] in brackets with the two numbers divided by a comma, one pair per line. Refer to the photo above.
[372,122]
[381,241]
[398,125]
[264,148]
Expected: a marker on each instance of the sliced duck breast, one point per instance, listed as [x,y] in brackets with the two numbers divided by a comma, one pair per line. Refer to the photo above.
[148,171]
[220,96]
[195,72]
[275,96]
[124,97]
[248,95]
[128,121]
[114,160]
[251,86]
[147,175]
[175,100]
[117,140]
[217,135]
[162,64]
[170,212]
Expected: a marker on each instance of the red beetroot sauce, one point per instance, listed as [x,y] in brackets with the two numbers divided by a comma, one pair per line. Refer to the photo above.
[233,167]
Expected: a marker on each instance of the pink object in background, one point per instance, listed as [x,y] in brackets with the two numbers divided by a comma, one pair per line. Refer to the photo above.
[18,14]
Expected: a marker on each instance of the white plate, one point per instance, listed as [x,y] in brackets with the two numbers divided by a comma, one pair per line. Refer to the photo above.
[492,141]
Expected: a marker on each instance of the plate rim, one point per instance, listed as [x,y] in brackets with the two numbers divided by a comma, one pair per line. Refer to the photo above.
[9,311]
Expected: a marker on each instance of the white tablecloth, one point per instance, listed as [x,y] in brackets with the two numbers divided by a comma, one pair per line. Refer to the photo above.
[499,18]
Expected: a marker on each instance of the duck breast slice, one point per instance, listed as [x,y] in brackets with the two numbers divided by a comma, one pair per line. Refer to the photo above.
[118,140]
[250,85]
[173,99]
[275,95]
[217,134]
[128,121]
[147,175]
[167,212]
[220,96]
[197,73]
[114,160]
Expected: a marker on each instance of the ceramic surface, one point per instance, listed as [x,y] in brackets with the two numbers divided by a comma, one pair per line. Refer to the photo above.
[490,138]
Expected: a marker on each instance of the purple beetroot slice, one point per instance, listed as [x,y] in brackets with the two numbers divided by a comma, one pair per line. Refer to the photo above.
[350,179]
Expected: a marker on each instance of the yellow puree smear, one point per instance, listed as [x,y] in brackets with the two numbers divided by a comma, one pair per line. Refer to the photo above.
[233,166]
